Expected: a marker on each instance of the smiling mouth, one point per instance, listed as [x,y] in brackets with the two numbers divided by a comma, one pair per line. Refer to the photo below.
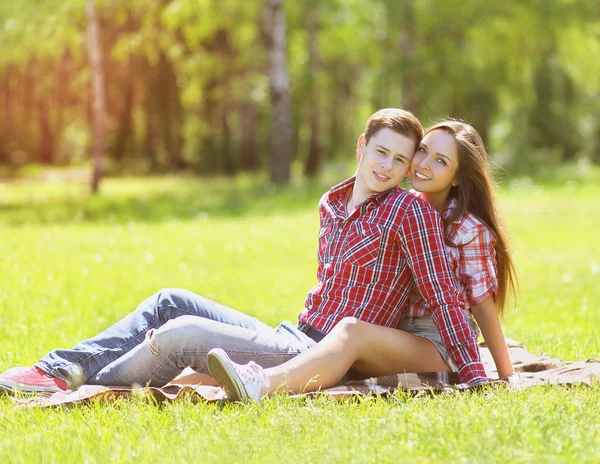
[420,176]
[381,176]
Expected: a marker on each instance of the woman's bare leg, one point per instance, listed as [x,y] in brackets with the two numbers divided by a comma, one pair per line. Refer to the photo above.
[193,378]
[371,349]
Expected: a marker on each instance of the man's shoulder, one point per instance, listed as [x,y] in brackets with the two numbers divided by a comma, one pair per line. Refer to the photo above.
[324,198]
[337,190]
[406,200]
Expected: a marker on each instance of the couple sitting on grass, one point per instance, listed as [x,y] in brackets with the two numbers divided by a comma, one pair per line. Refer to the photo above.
[400,277]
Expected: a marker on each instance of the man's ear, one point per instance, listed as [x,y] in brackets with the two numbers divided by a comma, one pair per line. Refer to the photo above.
[360,147]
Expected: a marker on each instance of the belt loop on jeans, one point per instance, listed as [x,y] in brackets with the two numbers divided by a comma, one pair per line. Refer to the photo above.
[311,332]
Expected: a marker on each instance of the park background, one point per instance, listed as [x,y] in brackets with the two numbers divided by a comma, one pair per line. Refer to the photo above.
[186,143]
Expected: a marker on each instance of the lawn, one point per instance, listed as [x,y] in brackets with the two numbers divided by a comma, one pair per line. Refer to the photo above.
[71,265]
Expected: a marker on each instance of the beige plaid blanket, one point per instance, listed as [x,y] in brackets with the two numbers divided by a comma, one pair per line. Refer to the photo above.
[532,370]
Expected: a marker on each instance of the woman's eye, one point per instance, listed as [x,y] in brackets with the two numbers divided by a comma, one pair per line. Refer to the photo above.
[401,160]
[442,161]
[421,149]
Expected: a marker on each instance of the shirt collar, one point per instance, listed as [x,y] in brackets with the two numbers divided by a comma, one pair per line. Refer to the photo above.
[449,209]
[340,190]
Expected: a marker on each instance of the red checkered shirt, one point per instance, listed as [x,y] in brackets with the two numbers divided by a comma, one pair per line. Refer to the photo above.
[369,261]
[472,254]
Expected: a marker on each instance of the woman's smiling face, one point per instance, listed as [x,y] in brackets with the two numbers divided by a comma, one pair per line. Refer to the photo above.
[435,164]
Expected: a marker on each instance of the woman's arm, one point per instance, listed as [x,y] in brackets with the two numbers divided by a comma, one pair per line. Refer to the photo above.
[489,323]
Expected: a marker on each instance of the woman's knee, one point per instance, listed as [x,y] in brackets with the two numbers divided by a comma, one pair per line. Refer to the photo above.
[357,333]
[347,328]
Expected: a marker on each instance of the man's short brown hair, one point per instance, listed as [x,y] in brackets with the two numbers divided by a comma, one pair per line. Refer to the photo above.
[400,121]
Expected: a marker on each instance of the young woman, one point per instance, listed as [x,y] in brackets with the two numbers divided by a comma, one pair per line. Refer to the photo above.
[450,170]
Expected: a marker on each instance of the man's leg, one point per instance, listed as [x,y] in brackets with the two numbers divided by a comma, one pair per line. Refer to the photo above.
[90,356]
[185,341]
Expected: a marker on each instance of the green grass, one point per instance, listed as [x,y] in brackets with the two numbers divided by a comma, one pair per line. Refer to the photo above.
[71,265]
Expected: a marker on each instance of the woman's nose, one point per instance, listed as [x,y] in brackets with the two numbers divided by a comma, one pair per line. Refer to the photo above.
[424,164]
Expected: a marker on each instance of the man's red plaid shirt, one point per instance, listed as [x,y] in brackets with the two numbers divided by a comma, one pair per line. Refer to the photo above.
[472,254]
[369,261]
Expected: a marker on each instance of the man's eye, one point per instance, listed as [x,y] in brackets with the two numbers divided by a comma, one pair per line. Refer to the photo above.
[421,149]
[400,159]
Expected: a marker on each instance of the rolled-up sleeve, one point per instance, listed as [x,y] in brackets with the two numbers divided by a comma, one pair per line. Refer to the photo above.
[477,265]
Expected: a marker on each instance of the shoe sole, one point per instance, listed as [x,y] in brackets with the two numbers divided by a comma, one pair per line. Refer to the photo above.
[221,369]
[8,386]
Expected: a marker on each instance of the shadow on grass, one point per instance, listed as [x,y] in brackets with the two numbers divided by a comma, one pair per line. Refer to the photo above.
[159,200]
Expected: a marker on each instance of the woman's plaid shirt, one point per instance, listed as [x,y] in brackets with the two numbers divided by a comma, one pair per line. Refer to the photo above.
[369,261]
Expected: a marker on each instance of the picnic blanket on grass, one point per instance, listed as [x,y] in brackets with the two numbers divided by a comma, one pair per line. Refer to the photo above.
[533,370]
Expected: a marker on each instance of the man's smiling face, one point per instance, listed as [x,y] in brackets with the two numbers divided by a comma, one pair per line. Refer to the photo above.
[383,161]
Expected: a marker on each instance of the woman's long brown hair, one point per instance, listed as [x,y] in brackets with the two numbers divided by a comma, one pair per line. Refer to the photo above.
[475,193]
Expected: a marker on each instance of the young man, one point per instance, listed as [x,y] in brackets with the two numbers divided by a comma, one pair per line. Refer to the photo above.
[375,241]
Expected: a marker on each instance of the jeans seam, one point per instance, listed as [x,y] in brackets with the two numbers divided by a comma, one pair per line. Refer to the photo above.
[161,309]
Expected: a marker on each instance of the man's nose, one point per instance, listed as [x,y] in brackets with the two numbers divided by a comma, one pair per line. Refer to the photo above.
[386,163]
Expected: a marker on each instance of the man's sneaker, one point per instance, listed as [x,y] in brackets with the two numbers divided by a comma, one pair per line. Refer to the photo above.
[30,380]
[239,381]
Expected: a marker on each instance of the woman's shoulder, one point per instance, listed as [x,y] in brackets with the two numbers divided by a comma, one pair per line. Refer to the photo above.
[467,227]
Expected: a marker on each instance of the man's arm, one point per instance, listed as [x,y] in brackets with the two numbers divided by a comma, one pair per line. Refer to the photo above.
[421,240]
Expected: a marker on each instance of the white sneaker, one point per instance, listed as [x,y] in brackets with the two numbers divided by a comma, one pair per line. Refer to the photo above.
[239,381]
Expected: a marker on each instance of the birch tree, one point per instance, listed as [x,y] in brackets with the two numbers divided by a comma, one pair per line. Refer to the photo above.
[99,97]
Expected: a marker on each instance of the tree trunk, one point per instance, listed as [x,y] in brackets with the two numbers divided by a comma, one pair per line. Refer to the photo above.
[249,146]
[149,106]
[229,162]
[282,133]
[408,52]
[313,161]
[29,81]
[8,92]
[170,112]
[125,118]
[596,152]
[46,138]
[208,160]
[99,96]
[62,88]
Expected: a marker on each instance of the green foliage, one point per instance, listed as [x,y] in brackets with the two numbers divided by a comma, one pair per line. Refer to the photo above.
[187,84]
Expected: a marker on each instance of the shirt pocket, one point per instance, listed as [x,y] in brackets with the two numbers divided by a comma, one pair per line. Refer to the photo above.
[363,244]
[325,235]
[453,254]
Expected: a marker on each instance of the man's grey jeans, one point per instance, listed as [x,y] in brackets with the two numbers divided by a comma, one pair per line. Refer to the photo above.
[169,331]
